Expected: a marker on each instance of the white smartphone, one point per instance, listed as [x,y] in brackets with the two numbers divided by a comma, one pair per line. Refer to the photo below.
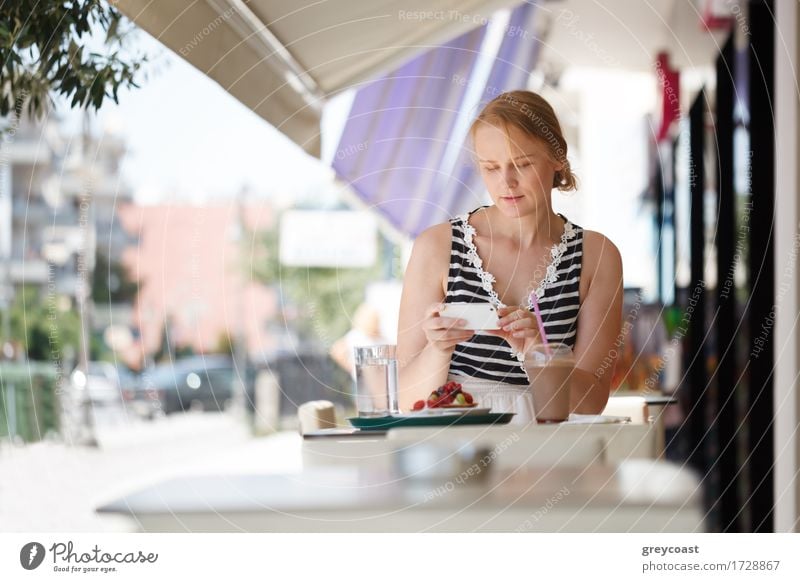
[477,315]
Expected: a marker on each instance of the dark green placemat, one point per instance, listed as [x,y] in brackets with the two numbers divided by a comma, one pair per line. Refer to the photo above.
[387,422]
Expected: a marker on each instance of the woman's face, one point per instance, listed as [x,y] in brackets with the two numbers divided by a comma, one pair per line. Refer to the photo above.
[518,173]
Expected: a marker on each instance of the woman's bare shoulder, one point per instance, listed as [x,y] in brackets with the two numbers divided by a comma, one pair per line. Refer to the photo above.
[434,240]
[599,253]
[430,257]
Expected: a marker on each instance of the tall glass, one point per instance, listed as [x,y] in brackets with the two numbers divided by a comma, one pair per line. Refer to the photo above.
[376,380]
[550,370]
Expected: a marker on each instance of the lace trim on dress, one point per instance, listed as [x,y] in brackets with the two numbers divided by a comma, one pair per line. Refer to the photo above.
[557,252]
[487,279]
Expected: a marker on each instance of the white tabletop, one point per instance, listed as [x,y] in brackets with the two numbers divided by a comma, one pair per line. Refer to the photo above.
[635,495]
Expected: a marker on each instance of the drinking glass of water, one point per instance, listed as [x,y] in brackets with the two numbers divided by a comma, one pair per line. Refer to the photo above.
[376,380]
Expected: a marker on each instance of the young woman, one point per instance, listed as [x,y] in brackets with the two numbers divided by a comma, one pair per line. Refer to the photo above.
[502,253]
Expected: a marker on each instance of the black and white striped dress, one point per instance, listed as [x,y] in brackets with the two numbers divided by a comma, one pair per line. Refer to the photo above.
[489,357]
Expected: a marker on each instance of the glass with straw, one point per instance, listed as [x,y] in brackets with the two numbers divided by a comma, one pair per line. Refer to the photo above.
[549,366]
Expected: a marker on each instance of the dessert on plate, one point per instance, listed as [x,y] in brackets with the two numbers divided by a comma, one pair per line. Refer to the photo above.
[450,395]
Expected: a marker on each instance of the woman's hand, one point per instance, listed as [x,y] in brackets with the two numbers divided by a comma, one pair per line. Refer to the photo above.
[518,327]
[444,332]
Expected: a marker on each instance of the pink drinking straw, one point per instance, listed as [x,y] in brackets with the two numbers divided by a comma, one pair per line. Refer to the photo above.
[532,299]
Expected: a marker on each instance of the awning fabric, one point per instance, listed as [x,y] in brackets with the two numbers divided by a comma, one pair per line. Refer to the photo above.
[405,149]
[284,58]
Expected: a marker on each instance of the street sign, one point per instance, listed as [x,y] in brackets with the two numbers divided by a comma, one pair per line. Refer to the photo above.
[322,238]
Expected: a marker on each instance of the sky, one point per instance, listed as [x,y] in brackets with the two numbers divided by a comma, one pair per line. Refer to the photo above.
[189,140]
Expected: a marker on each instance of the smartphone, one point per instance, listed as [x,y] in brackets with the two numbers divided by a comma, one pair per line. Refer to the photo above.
[477,315]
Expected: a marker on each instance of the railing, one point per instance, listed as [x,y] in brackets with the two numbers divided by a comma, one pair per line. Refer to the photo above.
[29,407]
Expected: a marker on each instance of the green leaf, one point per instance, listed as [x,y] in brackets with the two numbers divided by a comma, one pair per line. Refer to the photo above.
[112,30]
[42,53]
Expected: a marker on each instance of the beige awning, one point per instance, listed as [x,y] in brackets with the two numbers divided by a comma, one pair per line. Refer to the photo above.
[283,58]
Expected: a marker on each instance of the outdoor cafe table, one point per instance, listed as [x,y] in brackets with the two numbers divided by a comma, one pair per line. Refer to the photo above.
[533,445]
[567,477]
[637,495]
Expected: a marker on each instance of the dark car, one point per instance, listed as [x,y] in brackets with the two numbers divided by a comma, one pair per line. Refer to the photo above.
[195,383]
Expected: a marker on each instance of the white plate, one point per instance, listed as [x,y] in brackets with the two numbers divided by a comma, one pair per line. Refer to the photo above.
[440,411]
[597,419]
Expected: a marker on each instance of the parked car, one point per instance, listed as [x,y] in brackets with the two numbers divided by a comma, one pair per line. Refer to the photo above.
[100,381]
[194,383]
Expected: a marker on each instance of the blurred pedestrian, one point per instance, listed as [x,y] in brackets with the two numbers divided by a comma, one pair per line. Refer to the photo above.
[366,331]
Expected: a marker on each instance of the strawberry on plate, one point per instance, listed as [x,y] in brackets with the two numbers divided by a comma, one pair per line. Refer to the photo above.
[449,395]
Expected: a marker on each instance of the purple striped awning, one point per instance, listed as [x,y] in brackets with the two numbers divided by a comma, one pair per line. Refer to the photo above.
[404,149]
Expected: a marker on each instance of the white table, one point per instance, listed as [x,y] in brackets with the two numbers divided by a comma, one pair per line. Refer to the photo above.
[656,404]
[533,446]
[635,495]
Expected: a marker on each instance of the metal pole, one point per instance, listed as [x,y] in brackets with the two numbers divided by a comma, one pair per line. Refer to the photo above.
[12,412]
[83,292]
[6,248]
[240,347]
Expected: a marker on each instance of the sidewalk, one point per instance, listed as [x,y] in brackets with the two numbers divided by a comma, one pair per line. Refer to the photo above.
[51,487]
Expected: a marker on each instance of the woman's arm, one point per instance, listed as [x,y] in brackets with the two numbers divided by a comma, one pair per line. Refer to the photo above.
[599,325]
[424,346]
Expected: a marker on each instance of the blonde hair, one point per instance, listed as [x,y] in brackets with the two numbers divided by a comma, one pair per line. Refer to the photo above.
[529,112]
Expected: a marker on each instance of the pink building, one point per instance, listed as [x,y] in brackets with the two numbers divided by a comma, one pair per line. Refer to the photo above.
[193,264]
